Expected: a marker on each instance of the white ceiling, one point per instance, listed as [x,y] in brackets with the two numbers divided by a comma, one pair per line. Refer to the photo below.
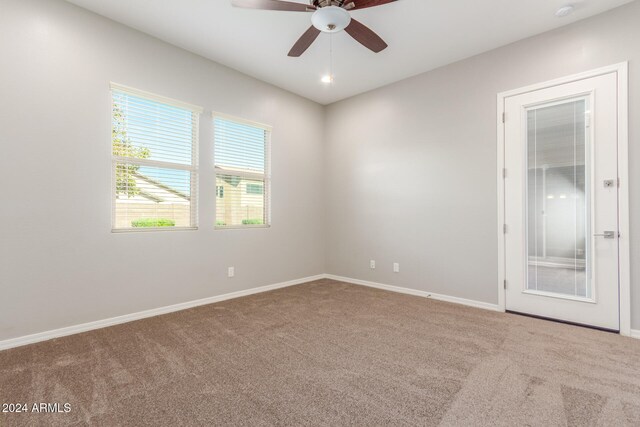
[422,35]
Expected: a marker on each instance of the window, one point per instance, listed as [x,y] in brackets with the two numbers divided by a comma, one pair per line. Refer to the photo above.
[155,151]
[242,171]
[255,189]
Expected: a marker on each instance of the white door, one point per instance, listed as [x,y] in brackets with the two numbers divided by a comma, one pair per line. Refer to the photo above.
[561,202]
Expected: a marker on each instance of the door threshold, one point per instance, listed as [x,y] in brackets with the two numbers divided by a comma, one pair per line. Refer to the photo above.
[566,322]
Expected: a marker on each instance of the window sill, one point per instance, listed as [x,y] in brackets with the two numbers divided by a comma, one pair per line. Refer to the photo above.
[151,229]
[240,227]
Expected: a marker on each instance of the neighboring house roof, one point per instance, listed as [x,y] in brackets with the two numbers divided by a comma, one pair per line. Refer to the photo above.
[152,191]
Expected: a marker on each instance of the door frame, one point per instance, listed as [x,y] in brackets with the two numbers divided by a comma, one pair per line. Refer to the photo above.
[622,72]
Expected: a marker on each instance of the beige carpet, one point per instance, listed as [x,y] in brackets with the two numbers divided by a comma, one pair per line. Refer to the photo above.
[329,353]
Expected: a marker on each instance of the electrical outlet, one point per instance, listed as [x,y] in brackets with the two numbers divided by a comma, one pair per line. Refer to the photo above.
[231,271]
[372,264]
[396,267]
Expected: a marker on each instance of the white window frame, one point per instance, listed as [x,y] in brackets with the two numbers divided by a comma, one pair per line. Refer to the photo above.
[266,177]
[193,168]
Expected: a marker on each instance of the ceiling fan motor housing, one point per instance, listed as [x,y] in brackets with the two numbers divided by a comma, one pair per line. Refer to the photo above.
[331,19]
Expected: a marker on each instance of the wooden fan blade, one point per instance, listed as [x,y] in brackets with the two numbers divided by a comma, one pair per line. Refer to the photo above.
[365,36]
[304,42]
[361,4]
[273,5]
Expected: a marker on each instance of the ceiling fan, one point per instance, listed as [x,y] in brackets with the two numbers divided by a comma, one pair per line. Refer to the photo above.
[329,16]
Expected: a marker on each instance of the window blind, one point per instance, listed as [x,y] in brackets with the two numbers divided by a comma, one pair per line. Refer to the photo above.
[241,157]
[155,157]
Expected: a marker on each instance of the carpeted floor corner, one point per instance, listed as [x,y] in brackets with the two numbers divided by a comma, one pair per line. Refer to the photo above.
[329,353]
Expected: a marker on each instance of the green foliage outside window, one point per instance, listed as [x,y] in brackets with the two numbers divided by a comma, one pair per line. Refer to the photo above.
[255,221]
[153,222]
[122,147]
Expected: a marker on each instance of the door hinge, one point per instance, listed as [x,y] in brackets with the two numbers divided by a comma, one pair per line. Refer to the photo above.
[505,283]
[504,172]
[504,117]
[504,228]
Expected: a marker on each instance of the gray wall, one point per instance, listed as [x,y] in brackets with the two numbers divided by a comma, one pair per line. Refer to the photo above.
[411,167]
[63,266]
[402,174]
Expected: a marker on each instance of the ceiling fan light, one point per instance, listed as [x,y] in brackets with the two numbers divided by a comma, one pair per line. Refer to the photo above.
[327,79]
[331,19]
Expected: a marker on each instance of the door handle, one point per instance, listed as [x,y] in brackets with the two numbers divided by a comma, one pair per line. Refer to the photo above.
[607,235]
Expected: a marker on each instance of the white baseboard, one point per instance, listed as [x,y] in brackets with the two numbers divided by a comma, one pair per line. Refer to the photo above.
[635,333]
[84,327]
[439,297]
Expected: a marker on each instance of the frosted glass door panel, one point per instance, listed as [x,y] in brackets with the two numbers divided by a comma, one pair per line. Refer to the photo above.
[561,202]
[558,199]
